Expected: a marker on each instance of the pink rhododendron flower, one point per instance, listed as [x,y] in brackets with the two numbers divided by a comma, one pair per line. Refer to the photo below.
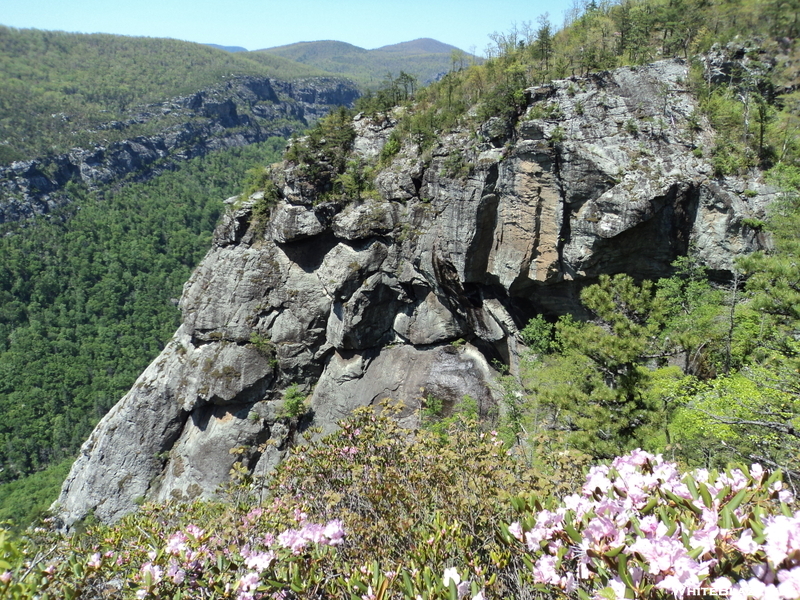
[600,528]
[334,531]
[515,529]
[746,543]
[706,538]
[789,586]
[568,582]
[597,479]
[753,588]
[177,543]
[246,585]
[94,561]
[578,504]
[260,561]
[636,458]
[544,570]
[607,515]
[661,553]
[154,572]
[617,588]
[175,572]
[195,531]
[783,538]
[293,539]
[737,480]
[300,516]
[649,525]
[314,532]
[348,453]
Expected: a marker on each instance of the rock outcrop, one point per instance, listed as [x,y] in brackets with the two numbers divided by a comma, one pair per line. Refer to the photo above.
[242,111]
[416,290]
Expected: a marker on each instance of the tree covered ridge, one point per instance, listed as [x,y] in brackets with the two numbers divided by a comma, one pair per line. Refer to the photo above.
[54,85]
[425,61]
[743,69]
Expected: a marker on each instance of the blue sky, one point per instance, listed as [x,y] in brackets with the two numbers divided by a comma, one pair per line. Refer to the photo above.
[258,24]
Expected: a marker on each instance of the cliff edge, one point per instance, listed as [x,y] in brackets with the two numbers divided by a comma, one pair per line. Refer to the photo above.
[360,300]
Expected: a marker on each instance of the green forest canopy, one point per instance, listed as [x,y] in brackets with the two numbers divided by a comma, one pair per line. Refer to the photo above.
[425,60]
[88,299]
[55,85]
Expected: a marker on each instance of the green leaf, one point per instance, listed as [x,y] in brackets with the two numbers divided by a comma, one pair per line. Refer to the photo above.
[614,551]
[453,590]
[571,531]
[706,495]
[737,500]
[409,587]
[651,504]
[727,522]
[775,476]
[622,569]
[723,493]
[682,502]
[518,504]
[692,488]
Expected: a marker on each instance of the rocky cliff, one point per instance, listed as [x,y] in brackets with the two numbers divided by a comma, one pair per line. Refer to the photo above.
[417,290]
[241,111]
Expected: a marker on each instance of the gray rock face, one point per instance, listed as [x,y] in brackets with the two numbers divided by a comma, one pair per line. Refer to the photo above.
[414,293]
[243,111]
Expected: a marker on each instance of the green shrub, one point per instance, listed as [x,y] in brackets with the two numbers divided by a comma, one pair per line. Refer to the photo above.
[455,167]
[538,335]
[323,154]
[390,486]
[391,147]
[294,402]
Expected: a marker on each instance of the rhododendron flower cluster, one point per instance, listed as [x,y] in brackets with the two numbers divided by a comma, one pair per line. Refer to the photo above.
[331,534]
[639,527]
[189,555]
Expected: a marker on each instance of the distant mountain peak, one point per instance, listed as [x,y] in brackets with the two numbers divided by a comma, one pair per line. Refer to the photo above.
[419,46]
[424,58]
[317,46]
[228,48]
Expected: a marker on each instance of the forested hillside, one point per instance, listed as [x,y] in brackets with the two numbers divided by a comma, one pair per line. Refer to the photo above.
[423,59]
[89,298]
[56,88]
